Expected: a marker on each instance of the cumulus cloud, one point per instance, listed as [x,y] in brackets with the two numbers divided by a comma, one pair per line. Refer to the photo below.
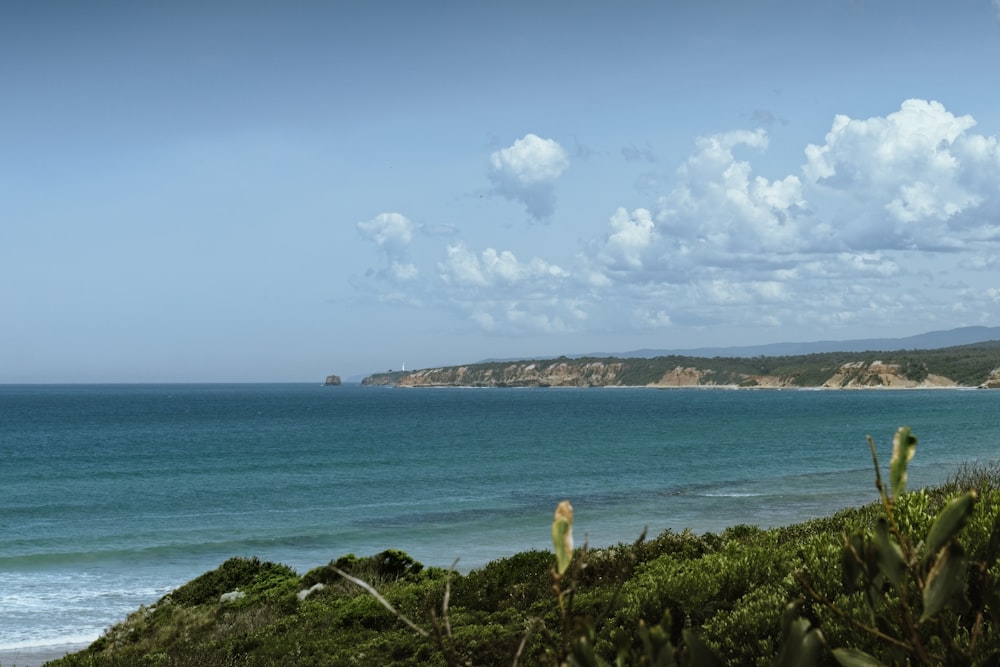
[464,268]
[912,179]
[887,217]
[526,172]
[501,294]
[717,203]
[392,232]
[631,235]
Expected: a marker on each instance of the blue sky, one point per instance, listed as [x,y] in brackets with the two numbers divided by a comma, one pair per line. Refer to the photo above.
[264,191]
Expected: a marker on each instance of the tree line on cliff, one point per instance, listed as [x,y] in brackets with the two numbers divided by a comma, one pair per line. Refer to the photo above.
[974,365]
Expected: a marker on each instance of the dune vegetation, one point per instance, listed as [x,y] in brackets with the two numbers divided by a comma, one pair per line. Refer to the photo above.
[911,579]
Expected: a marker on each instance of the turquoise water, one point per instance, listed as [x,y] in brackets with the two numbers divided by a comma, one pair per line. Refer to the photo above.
[112,495]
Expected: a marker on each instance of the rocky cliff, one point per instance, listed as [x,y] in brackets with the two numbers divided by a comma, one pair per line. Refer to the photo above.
[519,374]
[610,374]
[913,369]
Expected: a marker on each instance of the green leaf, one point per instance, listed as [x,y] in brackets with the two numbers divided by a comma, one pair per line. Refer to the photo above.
[949,521]
[890,556]
[852,657]
[945,585]
[699,654]
[993,550]
[562,536]
[802,647]
[904,446]
[852,561]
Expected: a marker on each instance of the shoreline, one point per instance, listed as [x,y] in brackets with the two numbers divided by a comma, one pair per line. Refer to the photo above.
[707,387]
[36,656]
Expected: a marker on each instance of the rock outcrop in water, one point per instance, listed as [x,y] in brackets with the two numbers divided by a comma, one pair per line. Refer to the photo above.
[966,366]
[332,380]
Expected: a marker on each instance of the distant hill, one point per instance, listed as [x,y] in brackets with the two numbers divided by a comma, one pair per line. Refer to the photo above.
[931,340]
[971,365]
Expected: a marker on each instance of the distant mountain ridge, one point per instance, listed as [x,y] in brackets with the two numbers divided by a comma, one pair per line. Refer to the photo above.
[932,340]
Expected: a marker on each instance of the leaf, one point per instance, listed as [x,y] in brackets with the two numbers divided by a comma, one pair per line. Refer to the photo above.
[852,657]
[802,647]
[699,653]
[949,521]
[562,536]
[852,561]
[945,585]
[993,550]
[890,556]
[904,446]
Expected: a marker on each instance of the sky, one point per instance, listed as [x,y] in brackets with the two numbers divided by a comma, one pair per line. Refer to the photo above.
[265,191]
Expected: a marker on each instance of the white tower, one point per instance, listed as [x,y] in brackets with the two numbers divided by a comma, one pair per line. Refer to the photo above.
[403,367]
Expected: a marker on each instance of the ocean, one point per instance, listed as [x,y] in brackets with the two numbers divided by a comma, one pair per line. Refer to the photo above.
[113,495]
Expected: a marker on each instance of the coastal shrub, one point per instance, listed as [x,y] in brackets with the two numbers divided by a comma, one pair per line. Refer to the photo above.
[233,574]
[698,587]
[930,599]
[983,476]
[685,544]
[383,568]
[748,633]
[517,581]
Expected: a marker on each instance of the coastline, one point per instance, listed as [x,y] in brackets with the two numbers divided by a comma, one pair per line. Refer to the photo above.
[36,656]
[706,387]
[577,429]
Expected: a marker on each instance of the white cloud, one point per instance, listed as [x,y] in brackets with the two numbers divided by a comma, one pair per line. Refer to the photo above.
[913,178]
[716,202]
[855,234]
[653,319]
[404,272]
[631,235]
[876,263]
[463,268]
[730,291]
[391,231]
[526,171]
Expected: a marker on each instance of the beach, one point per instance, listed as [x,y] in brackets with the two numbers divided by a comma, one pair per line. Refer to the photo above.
[35,656]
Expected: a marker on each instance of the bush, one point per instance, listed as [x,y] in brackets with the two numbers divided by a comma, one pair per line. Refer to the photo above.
[383,568]
[234,574]
[518,581]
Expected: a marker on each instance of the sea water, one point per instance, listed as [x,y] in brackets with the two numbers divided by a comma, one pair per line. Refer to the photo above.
[113,495]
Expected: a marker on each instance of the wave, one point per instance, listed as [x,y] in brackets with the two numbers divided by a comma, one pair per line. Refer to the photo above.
[70,642]
[153,554]
[731,494]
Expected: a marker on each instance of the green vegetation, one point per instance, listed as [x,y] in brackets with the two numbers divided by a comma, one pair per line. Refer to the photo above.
[911,579]
[967,365]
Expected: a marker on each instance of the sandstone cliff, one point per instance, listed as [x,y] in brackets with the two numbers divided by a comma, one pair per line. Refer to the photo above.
[853,375]
[968,366]
[519,374]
